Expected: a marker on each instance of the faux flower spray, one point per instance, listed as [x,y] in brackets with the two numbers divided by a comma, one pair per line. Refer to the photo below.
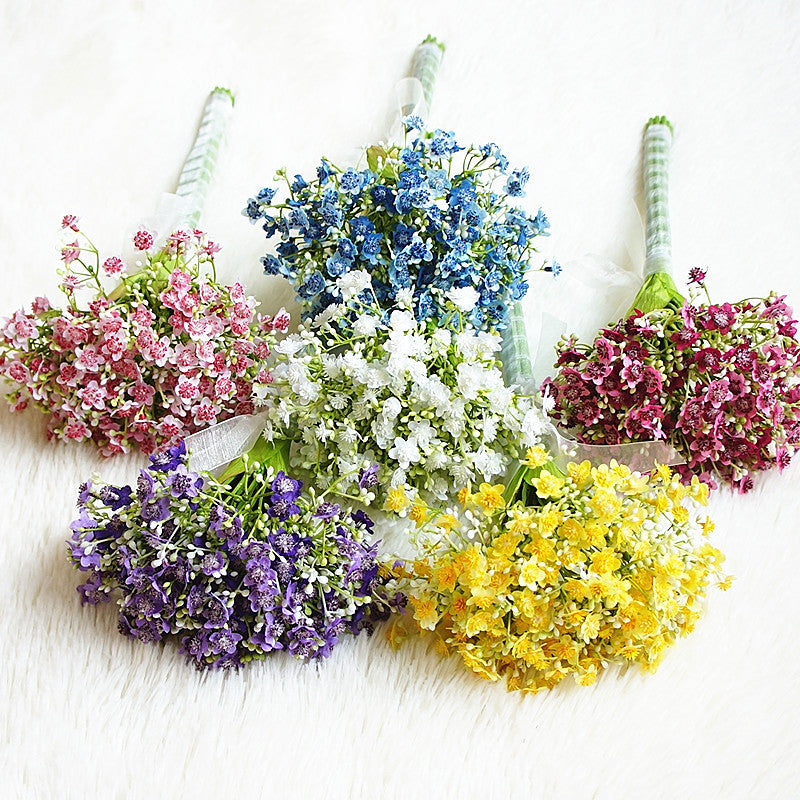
[720,382]
[235,567]
[562,573]
[433,224]
[167,351]
[427,405]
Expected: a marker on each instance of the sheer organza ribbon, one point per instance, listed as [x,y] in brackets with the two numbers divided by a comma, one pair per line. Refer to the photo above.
[410,98]
[638,456]
[215,447]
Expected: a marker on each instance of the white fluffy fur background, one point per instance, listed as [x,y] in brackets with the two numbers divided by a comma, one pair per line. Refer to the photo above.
[98,108]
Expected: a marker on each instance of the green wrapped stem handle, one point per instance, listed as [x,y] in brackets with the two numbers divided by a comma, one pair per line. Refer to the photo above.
[425,65]
[198,169]
[658,288]
[515,352]
[657,146]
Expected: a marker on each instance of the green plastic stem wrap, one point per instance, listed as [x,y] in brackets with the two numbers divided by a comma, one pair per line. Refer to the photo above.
[425,65]
[658,288]
[198,169]
[515,352]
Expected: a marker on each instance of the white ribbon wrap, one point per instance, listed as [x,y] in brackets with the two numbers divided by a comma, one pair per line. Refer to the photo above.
[639,456]
[215,447]
[657,145]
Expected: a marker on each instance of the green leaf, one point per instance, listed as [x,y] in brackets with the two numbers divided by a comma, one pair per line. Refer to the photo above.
[270,454]
[658,291]
[521,487]
[512,487]
[375,154]
[388,173]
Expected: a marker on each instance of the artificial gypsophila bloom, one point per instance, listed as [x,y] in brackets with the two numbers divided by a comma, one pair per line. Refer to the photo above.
[721,383]
[236,569]
[430,223]
[426,404]
[167,352]
[605,567]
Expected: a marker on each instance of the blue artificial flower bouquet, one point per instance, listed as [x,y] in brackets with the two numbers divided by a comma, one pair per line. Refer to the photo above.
[425,219]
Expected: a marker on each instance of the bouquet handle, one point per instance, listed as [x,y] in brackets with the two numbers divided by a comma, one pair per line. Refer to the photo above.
[425,65]
[658,286]
[657,146]
[198,169]
[515,352]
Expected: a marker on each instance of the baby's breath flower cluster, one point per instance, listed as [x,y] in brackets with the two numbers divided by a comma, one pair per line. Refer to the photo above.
[594,567]
[427,404]
[425,220]
[720,382]
[236,570]
[169,351]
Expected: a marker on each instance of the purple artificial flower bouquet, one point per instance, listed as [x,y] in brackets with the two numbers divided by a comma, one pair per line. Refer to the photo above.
[235,567]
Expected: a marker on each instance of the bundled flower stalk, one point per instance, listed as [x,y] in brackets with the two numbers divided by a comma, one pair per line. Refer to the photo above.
[423,218]
[425,404]
[562,575]
[720,382]
[236,567]
[167,351]
[425,65]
